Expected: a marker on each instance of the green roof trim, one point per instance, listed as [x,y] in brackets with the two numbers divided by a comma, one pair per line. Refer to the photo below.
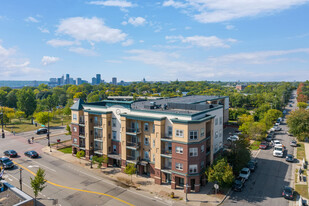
[208,117]
[97,112]
[142,118]
[77,106]
[186,143]
[211,99]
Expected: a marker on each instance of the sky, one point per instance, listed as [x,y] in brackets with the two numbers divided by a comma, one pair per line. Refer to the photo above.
[226,40]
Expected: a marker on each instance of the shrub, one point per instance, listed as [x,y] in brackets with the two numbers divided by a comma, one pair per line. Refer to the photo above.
[80,154]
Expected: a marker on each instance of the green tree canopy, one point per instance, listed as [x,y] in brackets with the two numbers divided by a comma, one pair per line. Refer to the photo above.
[298,122]
[26,101]
[43,117]
[130,169]
[221,172]
[38,182]
[302,105]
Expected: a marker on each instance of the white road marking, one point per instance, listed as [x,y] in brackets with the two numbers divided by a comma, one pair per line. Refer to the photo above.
[10,179]
[30,166]
[44,166]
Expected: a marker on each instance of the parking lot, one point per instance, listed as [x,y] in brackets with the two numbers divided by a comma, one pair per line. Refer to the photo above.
[264,186]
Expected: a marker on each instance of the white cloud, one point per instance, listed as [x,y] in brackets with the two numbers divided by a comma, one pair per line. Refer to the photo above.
[129,42]
[116,3]
[229,27]
[202,41]
[211,11]
[58,43]
[187,28]
[90,29]
[31,19]
[83,51]
[137,21]
[46,60]
[43,30]
[141,41]
[12,66]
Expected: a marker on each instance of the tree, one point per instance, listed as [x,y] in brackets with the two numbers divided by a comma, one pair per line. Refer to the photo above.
[38,182]
[130,170]
[19,115]
[221,172]
[68,128]
[11,99]
[26,101]
[3,97]
[80,95]
[298,122]
[43,117]
[271,116]
[302,105]
[257,130]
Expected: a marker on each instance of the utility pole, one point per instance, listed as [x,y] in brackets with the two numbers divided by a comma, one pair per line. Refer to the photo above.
[20,179]
[48,137]
[2,114]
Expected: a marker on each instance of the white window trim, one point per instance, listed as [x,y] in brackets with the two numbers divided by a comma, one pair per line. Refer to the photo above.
[194,169]
[195,136]
[203,148]
[179,133]
[179,166]
[180,150]
[194,152]
[145,140]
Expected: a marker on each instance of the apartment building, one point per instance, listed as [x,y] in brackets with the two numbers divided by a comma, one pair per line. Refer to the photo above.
[172,140]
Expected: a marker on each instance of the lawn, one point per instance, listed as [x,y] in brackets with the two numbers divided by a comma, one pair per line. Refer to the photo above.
[301,151]
[302,190]
[66,150]
[25,124]
[255,145]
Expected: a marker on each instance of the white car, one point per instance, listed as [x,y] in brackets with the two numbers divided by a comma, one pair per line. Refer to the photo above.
[277,124]
[275,128]
[278,151]
[277,143]
[233,138]
[245,173]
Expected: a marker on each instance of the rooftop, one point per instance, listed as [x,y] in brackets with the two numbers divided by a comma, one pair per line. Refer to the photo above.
[13,196]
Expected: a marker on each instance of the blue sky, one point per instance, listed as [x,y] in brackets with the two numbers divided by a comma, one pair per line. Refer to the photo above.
[227,40]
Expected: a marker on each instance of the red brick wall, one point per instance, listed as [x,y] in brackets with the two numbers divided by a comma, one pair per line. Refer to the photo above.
[75,134]
[118,147]
[152,170]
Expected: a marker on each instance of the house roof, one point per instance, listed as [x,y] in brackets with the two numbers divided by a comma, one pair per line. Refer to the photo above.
[78,105]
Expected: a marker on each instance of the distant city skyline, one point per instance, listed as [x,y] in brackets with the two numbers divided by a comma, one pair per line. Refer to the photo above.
[158,40]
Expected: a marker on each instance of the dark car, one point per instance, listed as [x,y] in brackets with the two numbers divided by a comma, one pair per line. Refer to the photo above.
[288,193]
[31,154]
[263,145]
[41,131]
[7,163]
[254,161]
[251,166]
[10,153]
[239,184]
[289,158]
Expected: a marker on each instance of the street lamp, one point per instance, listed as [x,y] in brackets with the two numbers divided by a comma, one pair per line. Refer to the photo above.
[20,179]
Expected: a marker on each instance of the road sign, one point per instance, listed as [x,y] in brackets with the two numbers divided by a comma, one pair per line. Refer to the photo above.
[216,186]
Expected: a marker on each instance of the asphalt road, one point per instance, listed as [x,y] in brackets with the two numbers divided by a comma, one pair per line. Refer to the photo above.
[264,186]
[69,184]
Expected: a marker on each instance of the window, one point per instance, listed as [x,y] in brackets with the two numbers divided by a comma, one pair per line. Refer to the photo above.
[216,135]
[74,129]
[146,155]
[153,143]
[193,135]
[74,116]
[146,127]
[179,150]
[202,164]
[114,134]
[220,120]
[114,122]
[179,133]
[193,152]
[202,132]
[170,131]
[114,148]
[109,123]
[153,128]
[216,121]
[146,141]
[153,157]
[75,140]
[202,148]
[220,134]
[192,169]
[179,166]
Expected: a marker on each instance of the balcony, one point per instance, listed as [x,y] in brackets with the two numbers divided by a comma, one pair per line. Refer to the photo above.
[98,137]
[82,145]
[82,134]
[133,131]
[98,124]
[82,121]
[167,139]
[133,159]
[133,145]
[166,153]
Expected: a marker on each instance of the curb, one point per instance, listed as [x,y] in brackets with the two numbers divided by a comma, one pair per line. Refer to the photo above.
[39,138]
[227,194]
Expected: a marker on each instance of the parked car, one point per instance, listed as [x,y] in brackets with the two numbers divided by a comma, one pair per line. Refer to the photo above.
[31,154]
[251,166]
[290,134]
[233,138]
[7,163]
[10,153]
[277,124]
[276,128]
[291,105]
[42,131]
[293,143]
[288,193]
[254,161]
[270,137]
[237,132]
[263,145]
[245,173]
[289,158]
[278,151]
[238,184]
[277,143]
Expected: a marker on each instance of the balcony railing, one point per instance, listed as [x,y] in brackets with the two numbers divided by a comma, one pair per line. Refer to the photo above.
[133,130]
[133,158]
[97,124]
[82,134]
[98,137]
[81,121]
[166,168]
[166,138]
[82,145]
[133,144]
[166,152]
[98,148]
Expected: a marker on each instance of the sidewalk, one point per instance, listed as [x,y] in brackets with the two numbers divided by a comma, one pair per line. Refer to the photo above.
[204,197]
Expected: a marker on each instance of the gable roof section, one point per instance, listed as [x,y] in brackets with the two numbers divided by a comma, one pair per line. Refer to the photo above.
[77,105]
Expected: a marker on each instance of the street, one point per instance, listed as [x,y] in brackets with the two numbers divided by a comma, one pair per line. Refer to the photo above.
[264,186]
[69,184]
